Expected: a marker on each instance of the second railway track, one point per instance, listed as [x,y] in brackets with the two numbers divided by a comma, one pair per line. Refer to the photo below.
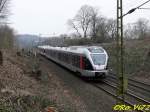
[136,93]
[139,88]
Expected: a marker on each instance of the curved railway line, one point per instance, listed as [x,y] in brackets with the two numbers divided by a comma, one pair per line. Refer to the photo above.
[137,92]
[139,88]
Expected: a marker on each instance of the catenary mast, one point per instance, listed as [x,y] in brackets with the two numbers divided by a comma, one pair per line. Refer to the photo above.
[120,52]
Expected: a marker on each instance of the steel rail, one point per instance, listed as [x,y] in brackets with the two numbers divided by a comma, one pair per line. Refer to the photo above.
[132,80]
[115,96]
[140,87]
[134,85]
[139,82]
[129,92]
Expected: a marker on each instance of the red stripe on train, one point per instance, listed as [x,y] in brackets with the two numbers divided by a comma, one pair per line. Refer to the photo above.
[81,62]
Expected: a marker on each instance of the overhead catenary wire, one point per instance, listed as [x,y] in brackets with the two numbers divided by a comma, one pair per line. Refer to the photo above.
[138,7]
[143,4]
[144,8]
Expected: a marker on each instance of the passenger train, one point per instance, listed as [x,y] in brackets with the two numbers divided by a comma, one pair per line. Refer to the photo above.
[88,61]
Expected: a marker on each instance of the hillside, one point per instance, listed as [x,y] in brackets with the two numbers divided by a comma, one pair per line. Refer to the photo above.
[136,58]
[19,92]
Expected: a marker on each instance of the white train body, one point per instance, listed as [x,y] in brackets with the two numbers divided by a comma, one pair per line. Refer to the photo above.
[89,61]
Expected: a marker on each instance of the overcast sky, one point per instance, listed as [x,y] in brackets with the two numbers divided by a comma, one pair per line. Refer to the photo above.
[48,17]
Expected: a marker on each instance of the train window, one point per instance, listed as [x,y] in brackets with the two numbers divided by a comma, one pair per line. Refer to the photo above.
[98,59]
[77,61]
[73,59]
[96,50]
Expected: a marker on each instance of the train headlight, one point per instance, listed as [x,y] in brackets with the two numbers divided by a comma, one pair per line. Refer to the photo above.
[100,67]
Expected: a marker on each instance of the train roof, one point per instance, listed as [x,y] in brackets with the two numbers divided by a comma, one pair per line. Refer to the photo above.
[76,49]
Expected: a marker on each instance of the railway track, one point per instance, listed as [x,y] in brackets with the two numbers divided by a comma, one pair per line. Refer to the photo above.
[136,92]
[113,75]
[139,88]
[141,85]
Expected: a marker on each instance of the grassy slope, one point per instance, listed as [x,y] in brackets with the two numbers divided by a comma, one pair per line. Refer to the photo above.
[136,56]
[18,90]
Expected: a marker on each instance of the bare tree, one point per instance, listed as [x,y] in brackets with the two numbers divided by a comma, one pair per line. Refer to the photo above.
[101,27]
[137,30]
[3,16]
[84,18]
[81,21]
[4,4]
[141,27]
[111,27]
[101,30]
[129,33]
[94,21]
[71,23]
[6,37]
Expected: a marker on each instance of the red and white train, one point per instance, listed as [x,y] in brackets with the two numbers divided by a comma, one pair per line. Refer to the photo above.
[88,61]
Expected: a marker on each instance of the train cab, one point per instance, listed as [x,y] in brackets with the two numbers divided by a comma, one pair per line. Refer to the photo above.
[98,58]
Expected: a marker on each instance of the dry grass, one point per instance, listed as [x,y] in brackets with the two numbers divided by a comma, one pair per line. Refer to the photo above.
[18,91]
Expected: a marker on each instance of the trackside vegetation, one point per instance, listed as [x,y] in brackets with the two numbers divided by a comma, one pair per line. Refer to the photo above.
[136,56]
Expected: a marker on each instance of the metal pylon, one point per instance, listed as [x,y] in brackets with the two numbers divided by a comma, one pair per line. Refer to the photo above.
[120,63]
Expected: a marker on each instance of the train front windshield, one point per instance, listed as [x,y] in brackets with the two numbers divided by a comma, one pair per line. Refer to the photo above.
[98,59]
